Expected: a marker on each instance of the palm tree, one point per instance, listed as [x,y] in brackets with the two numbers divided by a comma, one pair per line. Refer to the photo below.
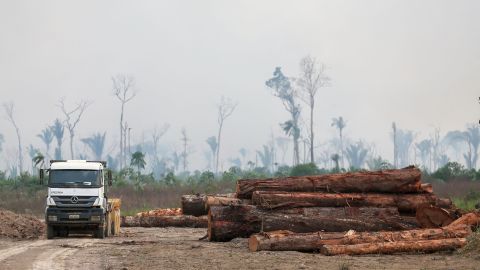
[96,143]
[58,129]
[335,158]
[356,154]
[340,124]
[212,143]
[38,159]
[266,156]
[47,137]
[472,138]
[283,89]
[138,160]
[425,147]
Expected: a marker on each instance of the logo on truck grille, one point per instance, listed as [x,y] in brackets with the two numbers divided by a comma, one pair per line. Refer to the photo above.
[74,199]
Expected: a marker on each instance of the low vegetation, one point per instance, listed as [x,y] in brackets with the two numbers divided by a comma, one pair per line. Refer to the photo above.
[24,194]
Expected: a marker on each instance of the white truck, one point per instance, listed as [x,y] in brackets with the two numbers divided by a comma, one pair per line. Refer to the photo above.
[77,199]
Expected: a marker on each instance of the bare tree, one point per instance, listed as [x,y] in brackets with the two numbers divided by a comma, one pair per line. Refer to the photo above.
[72,118]
[225,110]
[123,88]
[312,78]
[9,110]
[185,140]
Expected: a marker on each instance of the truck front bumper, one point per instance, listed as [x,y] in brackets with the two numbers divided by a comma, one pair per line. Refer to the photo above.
[61,216]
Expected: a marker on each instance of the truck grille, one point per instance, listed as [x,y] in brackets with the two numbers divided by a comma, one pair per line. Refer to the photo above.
[74,201]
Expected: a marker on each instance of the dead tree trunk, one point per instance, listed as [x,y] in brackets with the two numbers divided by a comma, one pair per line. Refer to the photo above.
[286,240]
[164,221]
[394,247]
[405,180]
[228,222]
[194,205]
[404,202]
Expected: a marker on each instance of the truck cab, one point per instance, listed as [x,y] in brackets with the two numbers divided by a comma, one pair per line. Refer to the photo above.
[77,198]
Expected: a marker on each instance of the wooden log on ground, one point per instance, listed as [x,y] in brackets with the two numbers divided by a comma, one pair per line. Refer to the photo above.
[470,219]
[426,188]
[404,202]
[164,221]
[228,222]
[194,205]
[223,201]
[286,240]
[433,217]
[405,180]
[395,247]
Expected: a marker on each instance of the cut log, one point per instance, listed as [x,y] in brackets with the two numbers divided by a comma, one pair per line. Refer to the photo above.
[395,247]
[164,221]
[162,212]
[405,180]
[426,188]
[404,202]
[228,222]
[471,219]
[194,205]
[433,217]
[286,240]
[223,201]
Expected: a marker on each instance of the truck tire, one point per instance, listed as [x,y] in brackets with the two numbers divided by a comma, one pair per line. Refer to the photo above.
[108,225]
[100,232]
[51,233]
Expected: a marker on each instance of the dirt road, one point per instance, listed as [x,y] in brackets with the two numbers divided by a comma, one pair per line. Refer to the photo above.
[179,248]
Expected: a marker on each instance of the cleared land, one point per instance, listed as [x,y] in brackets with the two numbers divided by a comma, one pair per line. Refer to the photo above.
[179,248]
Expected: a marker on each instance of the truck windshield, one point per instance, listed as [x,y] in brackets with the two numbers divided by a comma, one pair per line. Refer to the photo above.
[74,178]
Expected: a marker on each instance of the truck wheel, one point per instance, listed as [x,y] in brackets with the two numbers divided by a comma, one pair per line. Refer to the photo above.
[107,225]
[50,232]
[100,232]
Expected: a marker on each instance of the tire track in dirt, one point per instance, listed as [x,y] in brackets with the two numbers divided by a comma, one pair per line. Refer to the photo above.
[15,250]
[56,257]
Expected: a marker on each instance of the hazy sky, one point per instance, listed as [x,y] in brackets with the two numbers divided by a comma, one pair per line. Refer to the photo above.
[413,62]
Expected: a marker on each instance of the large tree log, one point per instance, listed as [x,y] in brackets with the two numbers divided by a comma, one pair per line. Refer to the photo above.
[194,205]
[404,202]
[164,221]
[434,217]
[405,180]
[228,222]
[394,247]
[286,240]
[470,219]
[223,201]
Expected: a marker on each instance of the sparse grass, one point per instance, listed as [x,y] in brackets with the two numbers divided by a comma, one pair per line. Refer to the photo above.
[344,266]
[473,244]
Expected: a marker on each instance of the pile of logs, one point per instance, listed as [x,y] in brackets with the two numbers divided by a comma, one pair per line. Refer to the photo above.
[351,213]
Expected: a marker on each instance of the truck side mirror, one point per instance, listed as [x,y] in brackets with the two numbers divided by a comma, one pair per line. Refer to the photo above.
[41,174]
[109,177]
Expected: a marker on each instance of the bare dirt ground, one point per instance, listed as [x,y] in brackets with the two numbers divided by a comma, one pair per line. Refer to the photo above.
[179,248]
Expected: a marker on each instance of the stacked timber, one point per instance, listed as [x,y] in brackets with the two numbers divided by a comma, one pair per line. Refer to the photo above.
[351,213]
[199,204]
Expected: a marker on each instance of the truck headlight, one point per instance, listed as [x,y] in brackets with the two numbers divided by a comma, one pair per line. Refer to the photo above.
[95,218]
[98,202]
[52,218]
[50,201]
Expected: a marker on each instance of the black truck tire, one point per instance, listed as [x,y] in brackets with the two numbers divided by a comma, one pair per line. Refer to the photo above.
[51,233]
[100,232]
[108,226]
